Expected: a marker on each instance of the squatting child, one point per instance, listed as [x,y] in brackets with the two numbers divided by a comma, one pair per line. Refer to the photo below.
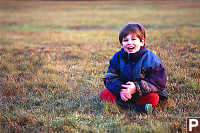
[135,77]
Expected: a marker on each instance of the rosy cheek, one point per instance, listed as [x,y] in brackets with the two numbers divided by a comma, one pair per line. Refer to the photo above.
[123,45]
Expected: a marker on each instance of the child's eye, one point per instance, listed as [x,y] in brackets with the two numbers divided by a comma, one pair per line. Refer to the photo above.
[125,40]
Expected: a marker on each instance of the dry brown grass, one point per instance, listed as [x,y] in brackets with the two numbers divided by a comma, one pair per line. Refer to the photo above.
[53,56]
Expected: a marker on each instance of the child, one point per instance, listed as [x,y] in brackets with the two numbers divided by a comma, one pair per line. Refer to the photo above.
[135,77]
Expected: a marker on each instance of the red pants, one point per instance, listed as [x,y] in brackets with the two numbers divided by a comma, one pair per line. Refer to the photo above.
[151,98]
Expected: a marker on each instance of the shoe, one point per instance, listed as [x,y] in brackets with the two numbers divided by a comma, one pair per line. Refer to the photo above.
[148,108]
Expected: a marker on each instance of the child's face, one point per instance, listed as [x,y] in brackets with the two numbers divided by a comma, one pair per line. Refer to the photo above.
[131,43]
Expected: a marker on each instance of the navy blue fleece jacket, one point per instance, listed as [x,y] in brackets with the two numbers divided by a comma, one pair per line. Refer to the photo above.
[143,68]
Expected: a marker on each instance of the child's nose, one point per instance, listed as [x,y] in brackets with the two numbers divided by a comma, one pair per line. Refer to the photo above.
[130,42]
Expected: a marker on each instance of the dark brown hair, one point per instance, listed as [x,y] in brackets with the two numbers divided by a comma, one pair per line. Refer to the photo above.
[131,28]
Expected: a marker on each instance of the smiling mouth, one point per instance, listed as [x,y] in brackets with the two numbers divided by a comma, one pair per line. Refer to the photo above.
[131,48]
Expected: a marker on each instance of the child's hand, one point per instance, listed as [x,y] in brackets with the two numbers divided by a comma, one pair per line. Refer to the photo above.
[130,86]
[124,94]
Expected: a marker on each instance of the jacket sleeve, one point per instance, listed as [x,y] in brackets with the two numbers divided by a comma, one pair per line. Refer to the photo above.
[154,81]
[112,77]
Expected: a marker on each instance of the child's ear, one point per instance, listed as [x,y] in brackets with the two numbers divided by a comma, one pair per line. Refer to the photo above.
[143,42]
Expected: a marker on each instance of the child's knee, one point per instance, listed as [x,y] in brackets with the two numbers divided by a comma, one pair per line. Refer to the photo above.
[154,98]
[151,98]
[106,95]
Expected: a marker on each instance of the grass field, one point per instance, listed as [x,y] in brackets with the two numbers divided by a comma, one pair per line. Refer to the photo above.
[53,56]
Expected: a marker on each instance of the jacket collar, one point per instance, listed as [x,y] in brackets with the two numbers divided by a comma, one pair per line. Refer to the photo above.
[134,56]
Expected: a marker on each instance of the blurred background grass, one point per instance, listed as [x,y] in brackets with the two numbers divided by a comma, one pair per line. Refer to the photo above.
[53,55]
